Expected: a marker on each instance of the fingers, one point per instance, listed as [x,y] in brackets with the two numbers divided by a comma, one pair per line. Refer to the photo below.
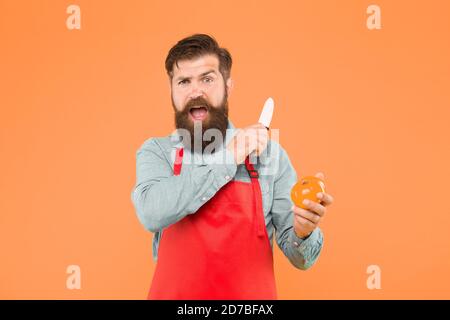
[258,126]
[305,223]
[253,138]
[262,145]
[261,137]
[325,198]
[310,216]
[315,207]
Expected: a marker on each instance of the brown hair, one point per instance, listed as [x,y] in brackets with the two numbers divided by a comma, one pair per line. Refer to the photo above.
[196,46]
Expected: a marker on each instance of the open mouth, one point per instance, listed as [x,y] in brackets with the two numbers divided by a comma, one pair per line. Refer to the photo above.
[198,112]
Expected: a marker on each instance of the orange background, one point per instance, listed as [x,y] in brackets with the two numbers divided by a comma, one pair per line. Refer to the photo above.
[369,108]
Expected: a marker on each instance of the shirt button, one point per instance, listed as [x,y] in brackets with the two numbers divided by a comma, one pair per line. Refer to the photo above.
[296,243]
[227,178]
[204,199]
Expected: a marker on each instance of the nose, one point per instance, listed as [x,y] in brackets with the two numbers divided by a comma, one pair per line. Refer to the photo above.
[195,92]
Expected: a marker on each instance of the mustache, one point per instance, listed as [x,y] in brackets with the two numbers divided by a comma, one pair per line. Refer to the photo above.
[199,101]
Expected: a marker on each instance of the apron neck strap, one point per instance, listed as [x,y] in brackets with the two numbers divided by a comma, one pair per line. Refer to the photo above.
[178,161]
[251,170]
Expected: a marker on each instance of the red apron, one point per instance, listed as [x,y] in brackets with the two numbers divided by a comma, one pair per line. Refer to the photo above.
[220,252]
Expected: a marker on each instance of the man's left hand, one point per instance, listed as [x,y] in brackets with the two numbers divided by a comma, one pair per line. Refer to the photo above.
[306,220]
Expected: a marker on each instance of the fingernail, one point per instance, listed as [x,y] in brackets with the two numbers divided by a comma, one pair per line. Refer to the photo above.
[319,195]
[306,202]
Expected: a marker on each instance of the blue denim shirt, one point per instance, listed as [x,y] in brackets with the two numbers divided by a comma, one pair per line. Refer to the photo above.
[161,199]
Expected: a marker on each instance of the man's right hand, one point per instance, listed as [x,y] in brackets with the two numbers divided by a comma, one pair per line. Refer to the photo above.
[247,140]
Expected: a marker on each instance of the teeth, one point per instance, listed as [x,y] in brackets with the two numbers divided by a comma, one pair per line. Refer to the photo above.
[197,107]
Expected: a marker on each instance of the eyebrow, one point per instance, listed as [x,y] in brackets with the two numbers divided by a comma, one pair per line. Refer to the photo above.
[201,75]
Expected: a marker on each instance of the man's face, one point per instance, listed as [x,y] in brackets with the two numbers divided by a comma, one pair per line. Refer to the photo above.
[200,95]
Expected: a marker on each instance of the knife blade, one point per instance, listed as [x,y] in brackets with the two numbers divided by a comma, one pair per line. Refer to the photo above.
[266,114]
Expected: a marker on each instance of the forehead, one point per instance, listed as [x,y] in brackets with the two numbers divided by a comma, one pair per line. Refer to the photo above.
[196,66]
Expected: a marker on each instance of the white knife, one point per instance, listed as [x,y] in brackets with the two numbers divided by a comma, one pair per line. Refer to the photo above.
[267,112]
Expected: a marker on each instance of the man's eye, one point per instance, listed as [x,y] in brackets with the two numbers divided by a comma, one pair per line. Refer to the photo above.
[182,81]
[207,79]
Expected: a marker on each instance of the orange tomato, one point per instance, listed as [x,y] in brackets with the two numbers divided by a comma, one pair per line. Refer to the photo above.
[307,188]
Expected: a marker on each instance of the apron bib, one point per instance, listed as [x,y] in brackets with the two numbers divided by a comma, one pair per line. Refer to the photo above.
[220,252]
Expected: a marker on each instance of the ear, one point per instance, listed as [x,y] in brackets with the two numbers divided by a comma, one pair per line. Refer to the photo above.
[230,85]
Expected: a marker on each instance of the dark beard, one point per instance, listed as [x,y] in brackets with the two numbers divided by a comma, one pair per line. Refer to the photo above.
[217,118]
